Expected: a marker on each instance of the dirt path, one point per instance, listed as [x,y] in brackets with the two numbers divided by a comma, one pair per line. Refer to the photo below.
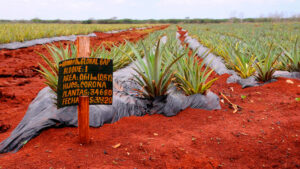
[264,134]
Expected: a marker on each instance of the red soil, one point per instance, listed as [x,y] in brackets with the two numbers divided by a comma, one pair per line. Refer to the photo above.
[263,134]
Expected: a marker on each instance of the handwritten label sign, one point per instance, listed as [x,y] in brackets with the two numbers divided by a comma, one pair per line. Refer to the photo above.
[91,77]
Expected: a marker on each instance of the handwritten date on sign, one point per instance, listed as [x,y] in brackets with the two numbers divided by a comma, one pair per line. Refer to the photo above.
[91,77]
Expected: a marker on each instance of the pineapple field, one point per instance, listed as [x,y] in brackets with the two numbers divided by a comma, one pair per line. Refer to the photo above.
[250,48]
[223,95]
[23,32]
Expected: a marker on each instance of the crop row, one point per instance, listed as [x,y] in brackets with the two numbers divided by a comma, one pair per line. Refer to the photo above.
[253,49]
[23,32]
[158,64]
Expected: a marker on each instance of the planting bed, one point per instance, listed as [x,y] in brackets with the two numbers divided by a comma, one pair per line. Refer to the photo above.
[264,133]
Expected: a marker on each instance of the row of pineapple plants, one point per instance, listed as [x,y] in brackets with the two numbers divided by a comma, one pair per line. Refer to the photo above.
[20,32]
[252,49]
[120,54]
[159,65]
[168,64]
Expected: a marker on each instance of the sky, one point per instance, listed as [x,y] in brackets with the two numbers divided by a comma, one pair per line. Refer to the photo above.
[145,9]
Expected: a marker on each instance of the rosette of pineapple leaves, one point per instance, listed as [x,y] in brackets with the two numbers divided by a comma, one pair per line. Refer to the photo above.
[153,75]
[291,56]
[192,75]
[57,54]
[265,66]
[241,59]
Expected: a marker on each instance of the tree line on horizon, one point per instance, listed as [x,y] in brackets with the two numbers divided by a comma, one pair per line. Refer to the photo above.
[152,21]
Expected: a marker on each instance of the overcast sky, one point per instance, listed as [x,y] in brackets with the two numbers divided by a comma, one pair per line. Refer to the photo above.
[144,9]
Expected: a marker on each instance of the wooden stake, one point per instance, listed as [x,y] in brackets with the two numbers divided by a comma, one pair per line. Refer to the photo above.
[83,119]
[83,46]
[83,50]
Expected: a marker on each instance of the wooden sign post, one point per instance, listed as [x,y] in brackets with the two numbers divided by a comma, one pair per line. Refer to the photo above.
[83,50]
[84,81]
[83,119]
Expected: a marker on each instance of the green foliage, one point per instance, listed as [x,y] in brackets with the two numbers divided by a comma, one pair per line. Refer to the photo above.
[122,55]
[61,53]
[192,75]
[291,57]
[156,65]
[265,66]
[240,45]
[57,54]
[241,60]
[16,32]
[153,76]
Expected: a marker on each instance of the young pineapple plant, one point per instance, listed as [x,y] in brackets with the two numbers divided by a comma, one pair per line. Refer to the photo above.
[291,57]
[192,75]
[265,67]
[153,76]
[241,59]
[57,54]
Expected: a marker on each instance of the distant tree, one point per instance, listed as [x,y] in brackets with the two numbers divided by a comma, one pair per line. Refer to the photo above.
[89,21]
[36,20]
